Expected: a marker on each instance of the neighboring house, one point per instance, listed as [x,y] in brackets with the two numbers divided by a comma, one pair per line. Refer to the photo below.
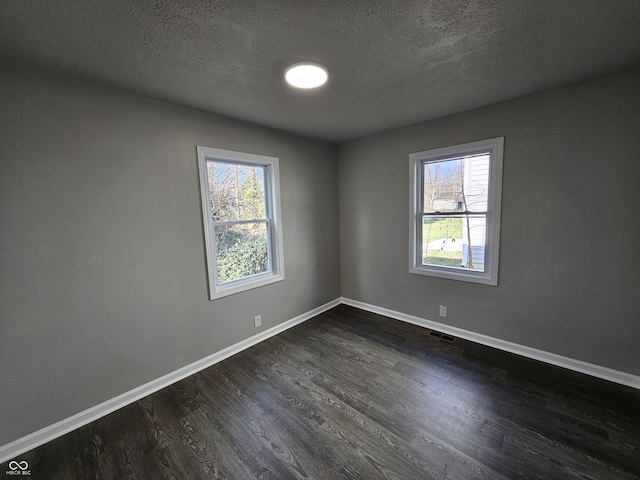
[447,203]
[476,188]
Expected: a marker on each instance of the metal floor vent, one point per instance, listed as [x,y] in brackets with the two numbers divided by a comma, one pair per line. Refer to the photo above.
[443,336]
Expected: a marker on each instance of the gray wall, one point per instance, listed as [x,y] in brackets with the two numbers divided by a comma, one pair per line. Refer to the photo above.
[569,279]
[102,265]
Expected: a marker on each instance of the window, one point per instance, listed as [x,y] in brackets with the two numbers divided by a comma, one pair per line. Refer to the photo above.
[241,210]
[455,211]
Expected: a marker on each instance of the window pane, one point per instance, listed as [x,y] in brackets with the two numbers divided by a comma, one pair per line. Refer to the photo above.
[241,250]
[442,241]
[237,192]
[457,241]
[456,185]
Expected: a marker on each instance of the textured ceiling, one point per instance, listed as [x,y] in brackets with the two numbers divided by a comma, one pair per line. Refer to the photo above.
[391,63]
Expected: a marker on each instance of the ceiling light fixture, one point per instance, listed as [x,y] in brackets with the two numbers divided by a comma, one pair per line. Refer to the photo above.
[306,75]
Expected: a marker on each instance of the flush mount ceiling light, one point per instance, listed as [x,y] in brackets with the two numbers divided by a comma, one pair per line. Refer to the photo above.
[306,75]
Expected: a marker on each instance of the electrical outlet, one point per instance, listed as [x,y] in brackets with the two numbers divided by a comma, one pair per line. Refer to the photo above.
[443,311]
[257,320]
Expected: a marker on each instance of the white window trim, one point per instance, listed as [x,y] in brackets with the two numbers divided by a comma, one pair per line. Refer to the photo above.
[495,147]
[272,182]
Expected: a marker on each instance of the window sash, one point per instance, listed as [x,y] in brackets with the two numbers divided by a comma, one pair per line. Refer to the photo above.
[422,243]
[239,222]
[266,179]
[462,213]
[491,210]
[267,221]
[423,166]
[268,229]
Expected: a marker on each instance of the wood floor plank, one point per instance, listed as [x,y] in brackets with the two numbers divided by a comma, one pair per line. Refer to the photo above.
[358,396]
[353,421]
[313,413]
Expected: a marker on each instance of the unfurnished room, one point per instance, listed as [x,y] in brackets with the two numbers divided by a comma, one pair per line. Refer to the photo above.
[320,240]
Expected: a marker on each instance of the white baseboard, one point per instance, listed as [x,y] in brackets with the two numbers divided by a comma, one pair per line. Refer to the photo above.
[605,373]
[35,439]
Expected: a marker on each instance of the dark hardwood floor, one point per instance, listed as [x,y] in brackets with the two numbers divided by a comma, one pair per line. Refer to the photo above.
[353,395]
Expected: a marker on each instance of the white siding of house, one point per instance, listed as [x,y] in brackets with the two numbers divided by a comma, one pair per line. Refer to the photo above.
[476,189]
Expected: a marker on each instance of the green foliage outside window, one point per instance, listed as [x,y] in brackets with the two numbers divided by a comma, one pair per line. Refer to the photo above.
[240,254]
[237,194]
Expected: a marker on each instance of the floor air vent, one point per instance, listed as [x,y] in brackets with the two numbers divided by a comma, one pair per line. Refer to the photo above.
[443,336]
